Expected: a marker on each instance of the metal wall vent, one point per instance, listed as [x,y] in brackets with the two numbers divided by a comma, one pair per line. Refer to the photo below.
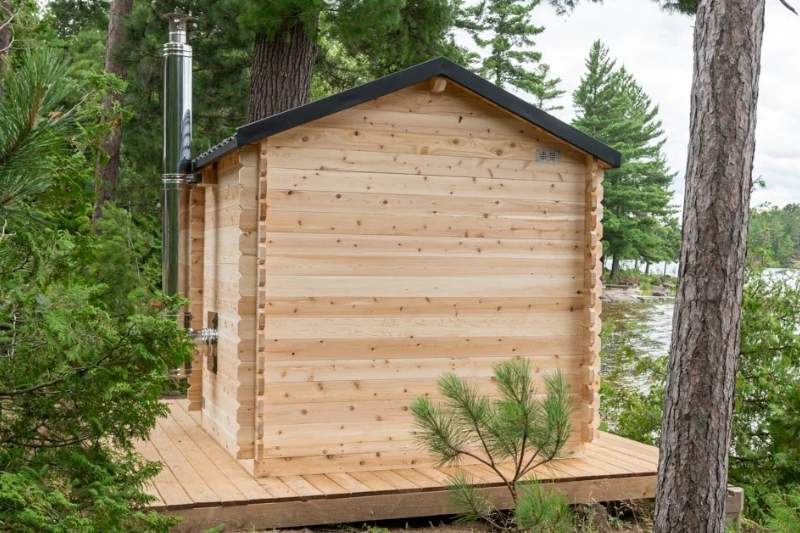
[548,156]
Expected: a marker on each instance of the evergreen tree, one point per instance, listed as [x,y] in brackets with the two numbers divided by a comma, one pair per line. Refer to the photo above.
[287,36]
[519,427]
[354,41]
[505,30]
[612,107]
[83,353]
[107,169]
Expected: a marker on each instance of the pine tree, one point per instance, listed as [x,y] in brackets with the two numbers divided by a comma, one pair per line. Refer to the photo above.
[519,427]
[107,169]
[505,29]
[83,352]
[355,41]
[287,37]
[612,107]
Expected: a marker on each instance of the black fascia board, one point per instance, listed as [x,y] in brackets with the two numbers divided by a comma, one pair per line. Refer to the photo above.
[260,129]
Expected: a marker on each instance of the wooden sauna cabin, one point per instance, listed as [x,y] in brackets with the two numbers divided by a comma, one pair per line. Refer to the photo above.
[352,250]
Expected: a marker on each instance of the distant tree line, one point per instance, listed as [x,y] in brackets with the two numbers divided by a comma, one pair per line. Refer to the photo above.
[774,238]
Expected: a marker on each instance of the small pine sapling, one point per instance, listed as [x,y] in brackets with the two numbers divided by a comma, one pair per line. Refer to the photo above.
[512,434]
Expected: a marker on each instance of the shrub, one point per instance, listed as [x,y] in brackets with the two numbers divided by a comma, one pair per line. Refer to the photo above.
[512,435]
[542,509]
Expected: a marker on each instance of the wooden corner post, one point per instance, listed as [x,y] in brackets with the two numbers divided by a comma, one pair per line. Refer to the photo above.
[261,302]
[593,288]
[194,292]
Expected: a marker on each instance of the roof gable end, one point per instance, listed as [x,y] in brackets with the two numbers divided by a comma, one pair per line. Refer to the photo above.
[266,127]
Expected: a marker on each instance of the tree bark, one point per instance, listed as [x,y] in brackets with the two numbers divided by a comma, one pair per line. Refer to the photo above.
[647,268]
[614,268]
[280,76]
[107,172]
[696,423]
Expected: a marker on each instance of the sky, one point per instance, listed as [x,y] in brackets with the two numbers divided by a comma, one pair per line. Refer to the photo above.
[656,47]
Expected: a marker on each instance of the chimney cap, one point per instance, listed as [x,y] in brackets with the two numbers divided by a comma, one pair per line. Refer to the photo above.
[177,21]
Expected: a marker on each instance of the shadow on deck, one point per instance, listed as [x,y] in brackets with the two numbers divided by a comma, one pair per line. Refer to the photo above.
[204,485]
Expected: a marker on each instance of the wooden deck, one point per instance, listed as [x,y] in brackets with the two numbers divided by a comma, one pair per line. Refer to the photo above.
[203,484]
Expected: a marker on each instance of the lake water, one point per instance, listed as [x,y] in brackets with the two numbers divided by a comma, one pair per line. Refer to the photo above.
[636,330]
[633,331]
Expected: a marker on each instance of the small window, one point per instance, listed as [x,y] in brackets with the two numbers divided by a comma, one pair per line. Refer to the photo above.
[548,156]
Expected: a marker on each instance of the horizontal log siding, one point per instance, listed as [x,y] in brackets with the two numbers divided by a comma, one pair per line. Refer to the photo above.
[229,290]
[409,236]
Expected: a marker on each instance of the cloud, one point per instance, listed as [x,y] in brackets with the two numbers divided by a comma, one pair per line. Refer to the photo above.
[656,47]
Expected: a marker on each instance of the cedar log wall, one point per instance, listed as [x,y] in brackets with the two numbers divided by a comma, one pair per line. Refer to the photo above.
[229,290]
[191,217]
[409,236]
[355,259]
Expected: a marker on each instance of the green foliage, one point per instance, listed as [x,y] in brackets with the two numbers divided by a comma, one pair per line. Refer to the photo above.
[688,7]
[386,36]
[638,221]
[784,512]
[83,353]
[773,238]
[632,413]
[32,124]
[519,428]
[467,498]
[505,29]
[765,450]
[358,40]
[540,508]
[71,17]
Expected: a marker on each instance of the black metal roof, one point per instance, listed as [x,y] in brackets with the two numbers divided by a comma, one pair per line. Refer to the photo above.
[259,129]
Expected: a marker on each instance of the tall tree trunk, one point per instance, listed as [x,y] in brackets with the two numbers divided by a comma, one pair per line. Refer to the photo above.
[647,268]
[107,172]
[614,268]
[696,424]
[280,76]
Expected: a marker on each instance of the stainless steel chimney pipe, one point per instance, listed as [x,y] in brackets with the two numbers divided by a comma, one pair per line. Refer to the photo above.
[177,143]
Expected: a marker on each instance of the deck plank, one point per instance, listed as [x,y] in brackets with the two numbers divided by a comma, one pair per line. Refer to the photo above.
[348,482]
[574,467]
[207,469]
[609,464]
[371,481]
[324,484]
[622,457]
[173,459]
[394,479]
[169,489]
[300,486]
[196,469]
[635,449]
[417,478]
[242,479]
[478,473]
[276,487]
[437,475]
[150,489]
